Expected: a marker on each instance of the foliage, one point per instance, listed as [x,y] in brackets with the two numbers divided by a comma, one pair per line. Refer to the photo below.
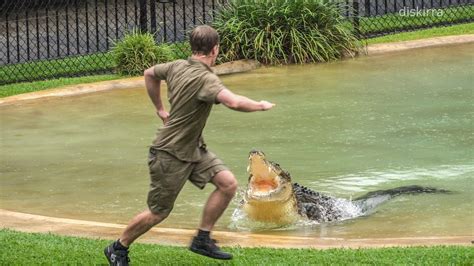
[179,50]
[281,31]
[138,51]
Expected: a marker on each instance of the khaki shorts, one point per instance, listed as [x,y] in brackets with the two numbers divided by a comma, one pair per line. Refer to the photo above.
[168,175]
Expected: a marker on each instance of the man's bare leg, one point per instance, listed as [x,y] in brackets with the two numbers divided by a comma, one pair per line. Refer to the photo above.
[226,186]
[139,225]
[117,252]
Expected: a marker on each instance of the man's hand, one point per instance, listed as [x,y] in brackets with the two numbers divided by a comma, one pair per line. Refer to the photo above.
[153,87]
[266,105]
[163,115]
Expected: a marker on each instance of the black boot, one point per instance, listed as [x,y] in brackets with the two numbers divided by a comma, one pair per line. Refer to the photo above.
[116,256]
[207,247]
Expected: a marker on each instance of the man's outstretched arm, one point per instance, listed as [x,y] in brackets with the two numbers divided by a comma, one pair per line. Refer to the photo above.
[153,87]
[242,103]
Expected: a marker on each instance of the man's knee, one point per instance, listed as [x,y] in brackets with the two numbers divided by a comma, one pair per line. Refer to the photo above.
[157,217]
[226,182]
[231,187]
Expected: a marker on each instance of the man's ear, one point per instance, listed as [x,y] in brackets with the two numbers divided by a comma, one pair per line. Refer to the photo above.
[215,50]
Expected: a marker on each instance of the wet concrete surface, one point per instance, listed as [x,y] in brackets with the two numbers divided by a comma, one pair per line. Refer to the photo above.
[181,237]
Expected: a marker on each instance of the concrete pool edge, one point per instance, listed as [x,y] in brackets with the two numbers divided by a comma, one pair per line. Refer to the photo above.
[384,48]
[227,68]
[180,237]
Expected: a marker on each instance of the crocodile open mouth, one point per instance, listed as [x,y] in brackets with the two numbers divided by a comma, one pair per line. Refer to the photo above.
[269,196]
[265,180]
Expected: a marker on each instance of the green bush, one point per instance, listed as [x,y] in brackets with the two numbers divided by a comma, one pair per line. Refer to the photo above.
[178,50]
[284,31]
[138,51]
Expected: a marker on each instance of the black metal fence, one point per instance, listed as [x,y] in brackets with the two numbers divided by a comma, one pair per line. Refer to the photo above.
[57,38]
[42,39]
[380,17]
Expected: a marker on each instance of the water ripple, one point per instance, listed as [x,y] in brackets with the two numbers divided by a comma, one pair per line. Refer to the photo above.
[359,182]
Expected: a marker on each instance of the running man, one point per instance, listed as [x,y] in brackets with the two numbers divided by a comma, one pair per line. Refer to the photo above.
[179,152]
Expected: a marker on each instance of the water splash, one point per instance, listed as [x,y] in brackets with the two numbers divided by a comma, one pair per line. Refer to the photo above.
[346,209]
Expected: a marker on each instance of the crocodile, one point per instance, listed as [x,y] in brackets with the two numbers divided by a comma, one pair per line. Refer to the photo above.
[271,197]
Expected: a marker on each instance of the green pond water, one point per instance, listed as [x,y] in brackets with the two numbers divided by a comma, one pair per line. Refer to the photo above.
[343,128]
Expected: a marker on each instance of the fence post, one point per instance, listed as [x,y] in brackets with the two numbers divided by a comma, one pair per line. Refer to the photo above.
[367,12]
[8,37]
[143,15]
[355,17]
[153,17]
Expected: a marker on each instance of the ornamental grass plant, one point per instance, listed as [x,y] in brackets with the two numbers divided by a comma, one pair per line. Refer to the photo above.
[138,51]
[284,31]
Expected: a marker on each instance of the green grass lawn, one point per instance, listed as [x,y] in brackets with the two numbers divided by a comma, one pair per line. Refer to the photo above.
[30,249]
[460,29]
[77,65]
[24,87]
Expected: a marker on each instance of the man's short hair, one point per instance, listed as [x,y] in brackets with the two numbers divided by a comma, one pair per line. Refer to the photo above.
[203,38]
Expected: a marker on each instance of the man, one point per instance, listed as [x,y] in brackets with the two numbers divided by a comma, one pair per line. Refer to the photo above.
[179,152]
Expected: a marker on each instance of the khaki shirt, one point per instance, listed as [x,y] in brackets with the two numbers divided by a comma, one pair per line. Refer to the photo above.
[192,91]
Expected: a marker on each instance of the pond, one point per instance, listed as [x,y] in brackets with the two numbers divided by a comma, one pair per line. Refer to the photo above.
[343,128]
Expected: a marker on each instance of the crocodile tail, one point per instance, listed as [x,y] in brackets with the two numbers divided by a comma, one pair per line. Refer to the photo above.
[393,192]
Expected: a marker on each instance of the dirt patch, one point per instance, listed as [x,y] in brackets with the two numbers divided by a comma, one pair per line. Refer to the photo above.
[181,237]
